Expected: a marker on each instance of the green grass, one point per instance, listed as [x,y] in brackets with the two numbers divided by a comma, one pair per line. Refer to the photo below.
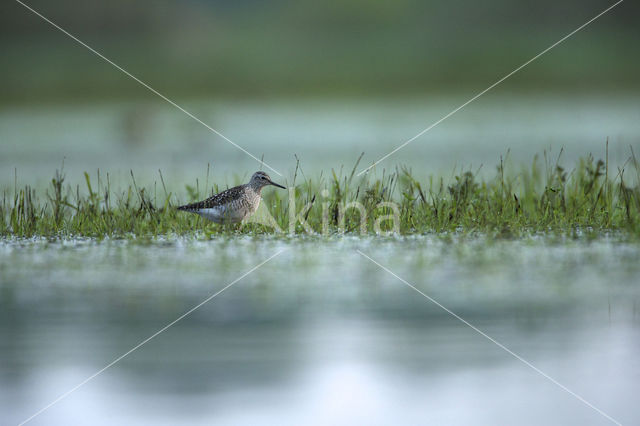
[544,198]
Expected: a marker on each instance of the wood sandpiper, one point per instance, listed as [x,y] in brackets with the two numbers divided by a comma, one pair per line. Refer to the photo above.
[234,204]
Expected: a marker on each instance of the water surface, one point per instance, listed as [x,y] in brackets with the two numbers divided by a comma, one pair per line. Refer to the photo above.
[320,334]
[323,134]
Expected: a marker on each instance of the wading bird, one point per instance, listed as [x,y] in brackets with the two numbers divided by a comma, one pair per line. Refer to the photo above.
[234,204]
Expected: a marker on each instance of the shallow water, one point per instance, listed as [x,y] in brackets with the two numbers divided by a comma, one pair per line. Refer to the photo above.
[117,137]
[319,334]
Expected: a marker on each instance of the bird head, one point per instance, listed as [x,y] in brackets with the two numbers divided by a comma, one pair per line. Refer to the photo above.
[260,179]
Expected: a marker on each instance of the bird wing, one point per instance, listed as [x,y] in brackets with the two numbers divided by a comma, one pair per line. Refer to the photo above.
[217,200]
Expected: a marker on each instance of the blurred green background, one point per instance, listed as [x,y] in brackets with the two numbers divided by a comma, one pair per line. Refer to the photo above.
[304,48]
[324,81]
[320,334]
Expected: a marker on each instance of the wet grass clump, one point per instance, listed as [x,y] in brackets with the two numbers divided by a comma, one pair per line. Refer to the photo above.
[544,197]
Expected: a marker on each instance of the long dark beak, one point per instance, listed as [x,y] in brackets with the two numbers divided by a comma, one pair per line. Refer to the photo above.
[275,184]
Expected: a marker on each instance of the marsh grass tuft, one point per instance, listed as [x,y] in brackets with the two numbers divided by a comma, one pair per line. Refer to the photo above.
[543,197]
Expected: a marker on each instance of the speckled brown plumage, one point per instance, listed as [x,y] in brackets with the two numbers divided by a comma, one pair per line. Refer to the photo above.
[217,200]
[233,204]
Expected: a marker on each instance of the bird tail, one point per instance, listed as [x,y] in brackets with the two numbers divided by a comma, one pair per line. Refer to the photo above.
[186,207]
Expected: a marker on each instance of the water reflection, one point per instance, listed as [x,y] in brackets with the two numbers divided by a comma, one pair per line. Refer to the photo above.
[319,335]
